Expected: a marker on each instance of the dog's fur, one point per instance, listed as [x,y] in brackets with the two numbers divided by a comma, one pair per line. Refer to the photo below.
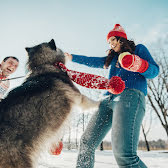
[33,113]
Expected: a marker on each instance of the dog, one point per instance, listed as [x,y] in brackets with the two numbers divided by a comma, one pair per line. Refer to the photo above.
[32,115]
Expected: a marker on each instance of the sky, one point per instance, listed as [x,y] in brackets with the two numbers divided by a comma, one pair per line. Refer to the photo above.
[78,27]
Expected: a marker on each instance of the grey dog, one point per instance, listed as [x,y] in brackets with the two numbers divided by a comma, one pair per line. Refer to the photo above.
[33,113]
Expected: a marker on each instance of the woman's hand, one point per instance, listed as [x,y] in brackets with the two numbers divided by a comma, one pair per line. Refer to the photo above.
[68,56]
[132,62]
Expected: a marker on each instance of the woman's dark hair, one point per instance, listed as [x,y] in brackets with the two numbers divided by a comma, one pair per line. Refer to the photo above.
[126,46]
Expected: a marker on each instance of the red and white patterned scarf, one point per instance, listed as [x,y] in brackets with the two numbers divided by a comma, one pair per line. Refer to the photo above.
[115,85]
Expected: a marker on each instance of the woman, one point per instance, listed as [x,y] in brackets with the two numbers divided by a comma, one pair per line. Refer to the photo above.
[124,112]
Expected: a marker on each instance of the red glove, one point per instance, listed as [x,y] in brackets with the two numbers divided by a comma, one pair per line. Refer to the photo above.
[56,150]
[115,85]
[132,62]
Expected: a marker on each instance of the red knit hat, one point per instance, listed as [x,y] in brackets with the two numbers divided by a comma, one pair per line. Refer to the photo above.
[117,31]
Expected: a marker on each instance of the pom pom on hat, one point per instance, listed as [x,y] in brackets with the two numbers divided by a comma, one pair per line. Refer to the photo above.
[117,31]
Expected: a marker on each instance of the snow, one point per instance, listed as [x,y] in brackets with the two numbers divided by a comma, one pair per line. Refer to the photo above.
[67,159]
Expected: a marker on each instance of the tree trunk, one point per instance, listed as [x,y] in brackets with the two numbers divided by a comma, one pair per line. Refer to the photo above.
[101,146]
[146,141]
[83,122]
[69,139]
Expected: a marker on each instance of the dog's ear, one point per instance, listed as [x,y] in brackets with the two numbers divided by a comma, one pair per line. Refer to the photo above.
[27,49]
[52,44]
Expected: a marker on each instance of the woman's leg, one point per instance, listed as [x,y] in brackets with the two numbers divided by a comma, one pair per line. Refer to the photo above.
[96,130]
[128,113]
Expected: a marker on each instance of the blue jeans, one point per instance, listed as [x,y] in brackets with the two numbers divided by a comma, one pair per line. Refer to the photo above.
[123,113]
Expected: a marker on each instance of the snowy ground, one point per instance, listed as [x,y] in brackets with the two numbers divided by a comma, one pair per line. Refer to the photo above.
[67,159]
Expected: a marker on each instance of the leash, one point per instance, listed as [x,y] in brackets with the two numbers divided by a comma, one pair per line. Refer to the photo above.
[12,78]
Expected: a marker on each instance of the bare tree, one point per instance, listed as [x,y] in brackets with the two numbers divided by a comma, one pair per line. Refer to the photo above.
[145,136]
[146,128]
[69,139]
[101,146]
[158,91]
[78,122]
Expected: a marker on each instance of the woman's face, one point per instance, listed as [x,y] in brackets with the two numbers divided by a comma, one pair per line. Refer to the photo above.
[114,44]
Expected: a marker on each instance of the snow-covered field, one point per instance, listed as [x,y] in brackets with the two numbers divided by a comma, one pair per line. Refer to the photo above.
[67,159]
